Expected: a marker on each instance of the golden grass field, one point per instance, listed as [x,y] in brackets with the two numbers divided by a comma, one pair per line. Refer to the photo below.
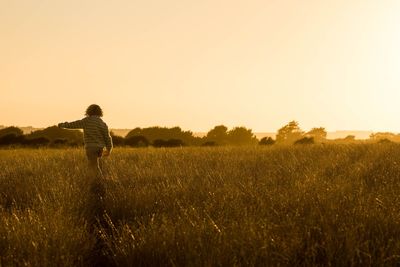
[324,205]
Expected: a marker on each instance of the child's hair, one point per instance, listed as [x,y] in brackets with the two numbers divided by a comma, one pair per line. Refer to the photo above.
[94,110]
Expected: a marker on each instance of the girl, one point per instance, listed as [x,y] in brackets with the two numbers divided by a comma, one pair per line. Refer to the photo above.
[96,135]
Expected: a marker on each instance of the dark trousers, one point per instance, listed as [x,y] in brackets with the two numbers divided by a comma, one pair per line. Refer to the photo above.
[94,159]
[97,192]
[95,174]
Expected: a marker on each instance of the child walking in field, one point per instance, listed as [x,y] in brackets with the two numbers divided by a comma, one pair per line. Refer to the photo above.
[96,136]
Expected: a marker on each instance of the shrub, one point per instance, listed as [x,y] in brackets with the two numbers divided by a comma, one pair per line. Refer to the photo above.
[117,140]
[210,143]
[11,130]
[305,141]
[385,141]
[267,141]
[168,143]
[136,141]
[11,139]
[37,142]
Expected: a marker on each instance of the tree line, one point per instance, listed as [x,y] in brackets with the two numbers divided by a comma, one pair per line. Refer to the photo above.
[220,135]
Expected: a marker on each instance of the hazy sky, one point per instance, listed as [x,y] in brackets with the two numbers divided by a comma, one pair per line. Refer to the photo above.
[197,64]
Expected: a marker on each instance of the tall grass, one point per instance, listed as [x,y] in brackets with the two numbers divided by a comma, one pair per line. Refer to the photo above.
[282,206]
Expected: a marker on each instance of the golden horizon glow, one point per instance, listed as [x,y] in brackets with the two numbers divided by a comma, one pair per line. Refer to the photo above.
[258,64]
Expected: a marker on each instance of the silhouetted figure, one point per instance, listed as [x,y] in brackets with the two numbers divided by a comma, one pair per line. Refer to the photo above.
[96,136]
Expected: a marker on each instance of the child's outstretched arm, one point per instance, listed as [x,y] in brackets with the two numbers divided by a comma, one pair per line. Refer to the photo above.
[79,124]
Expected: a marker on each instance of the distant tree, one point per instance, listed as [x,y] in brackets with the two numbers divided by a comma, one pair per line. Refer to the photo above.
[209,143]
[198,141]
[218,135]
[37,142]
[385,141]
[11,130]
[289,133]
[11,139]
[159,143]
[305,141]
[52,133]
[137,141]
[267,141]
[117,140]
[319,134]
[350,138]
[164,133]
[175,143]
[168,143]
[384,135]
[59,142]
[241,136]
[135,132]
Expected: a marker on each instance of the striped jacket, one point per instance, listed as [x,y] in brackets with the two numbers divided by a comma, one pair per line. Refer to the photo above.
[95,131]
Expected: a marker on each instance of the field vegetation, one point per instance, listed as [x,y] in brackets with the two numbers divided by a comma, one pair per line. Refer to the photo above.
[327,205]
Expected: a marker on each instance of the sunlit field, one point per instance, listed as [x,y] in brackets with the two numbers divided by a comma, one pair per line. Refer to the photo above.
[322,205]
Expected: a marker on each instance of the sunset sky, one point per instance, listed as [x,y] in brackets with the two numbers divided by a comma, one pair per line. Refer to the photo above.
[197,64]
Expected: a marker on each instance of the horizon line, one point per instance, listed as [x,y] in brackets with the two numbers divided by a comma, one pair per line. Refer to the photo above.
[198,131]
